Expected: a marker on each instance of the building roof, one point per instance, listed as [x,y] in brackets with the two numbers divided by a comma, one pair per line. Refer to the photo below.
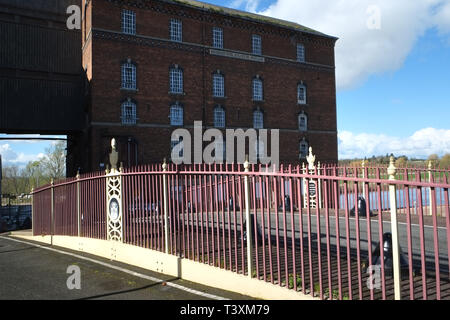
[249,16]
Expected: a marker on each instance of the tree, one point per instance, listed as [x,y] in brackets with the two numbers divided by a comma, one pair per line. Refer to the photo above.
[445,161]
[54,161]
[434,158]
[401,162]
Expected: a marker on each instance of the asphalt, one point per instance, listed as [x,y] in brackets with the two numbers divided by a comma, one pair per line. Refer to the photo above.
[28,272]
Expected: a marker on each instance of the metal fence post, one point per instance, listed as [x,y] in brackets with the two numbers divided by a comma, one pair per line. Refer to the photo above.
[78,205]
[32,210]
[430,205]
[363,166]
[394,230]
[52,211]
[247,218]
[166,209]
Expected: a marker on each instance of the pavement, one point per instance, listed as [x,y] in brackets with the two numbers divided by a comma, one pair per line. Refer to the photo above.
[33,271]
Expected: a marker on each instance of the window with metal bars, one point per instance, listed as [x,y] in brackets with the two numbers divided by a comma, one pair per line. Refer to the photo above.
[257,89]
[128,113]
[303,122]
[129,22]
[218,38]
[176,80]
[129,76]
[303,149]
[176,115]
[218,85]
[258,119]
[301,94]
[257,44]
[219,117]
[176,30]
[300,53]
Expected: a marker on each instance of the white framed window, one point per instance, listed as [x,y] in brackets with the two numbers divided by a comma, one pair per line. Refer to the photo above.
[176,80]
[300,53]
[219,117]
[128,113]
[303,122]
[257,89]
[218,85]
[129,76]
[176,30]
[303,149]
[301,94]
[218,38]
[176,115]
[258,119]
[257,44]
[129,22]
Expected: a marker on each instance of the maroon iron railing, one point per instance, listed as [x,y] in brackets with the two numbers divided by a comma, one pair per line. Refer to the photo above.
[310,229]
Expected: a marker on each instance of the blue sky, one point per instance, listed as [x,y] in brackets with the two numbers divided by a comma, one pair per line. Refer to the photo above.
[392,67]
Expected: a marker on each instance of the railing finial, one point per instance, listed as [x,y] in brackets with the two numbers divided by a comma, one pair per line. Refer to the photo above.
[391,169]
[114,155]
[311,159]
[246,163]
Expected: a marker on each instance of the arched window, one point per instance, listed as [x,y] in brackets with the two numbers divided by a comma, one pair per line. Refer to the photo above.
[304,146]
[303,122]
[258,119]
[128,75]
[176,115]
[128,113]
[257,89]
[176,80]
[301,94]
[218,85]
[219,117]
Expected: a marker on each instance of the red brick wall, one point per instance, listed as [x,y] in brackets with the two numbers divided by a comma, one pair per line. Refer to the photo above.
[153,101]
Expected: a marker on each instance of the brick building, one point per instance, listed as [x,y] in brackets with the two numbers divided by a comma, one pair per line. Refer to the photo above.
[157,65]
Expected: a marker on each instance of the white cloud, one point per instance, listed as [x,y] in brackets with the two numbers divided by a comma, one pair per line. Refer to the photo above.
[361,51]
[247,5]
[419,145]
[11,157]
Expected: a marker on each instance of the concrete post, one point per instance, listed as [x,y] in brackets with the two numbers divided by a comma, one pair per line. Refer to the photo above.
[166,209]
[247,219]
[78,205]
[394,230]
[430,207]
